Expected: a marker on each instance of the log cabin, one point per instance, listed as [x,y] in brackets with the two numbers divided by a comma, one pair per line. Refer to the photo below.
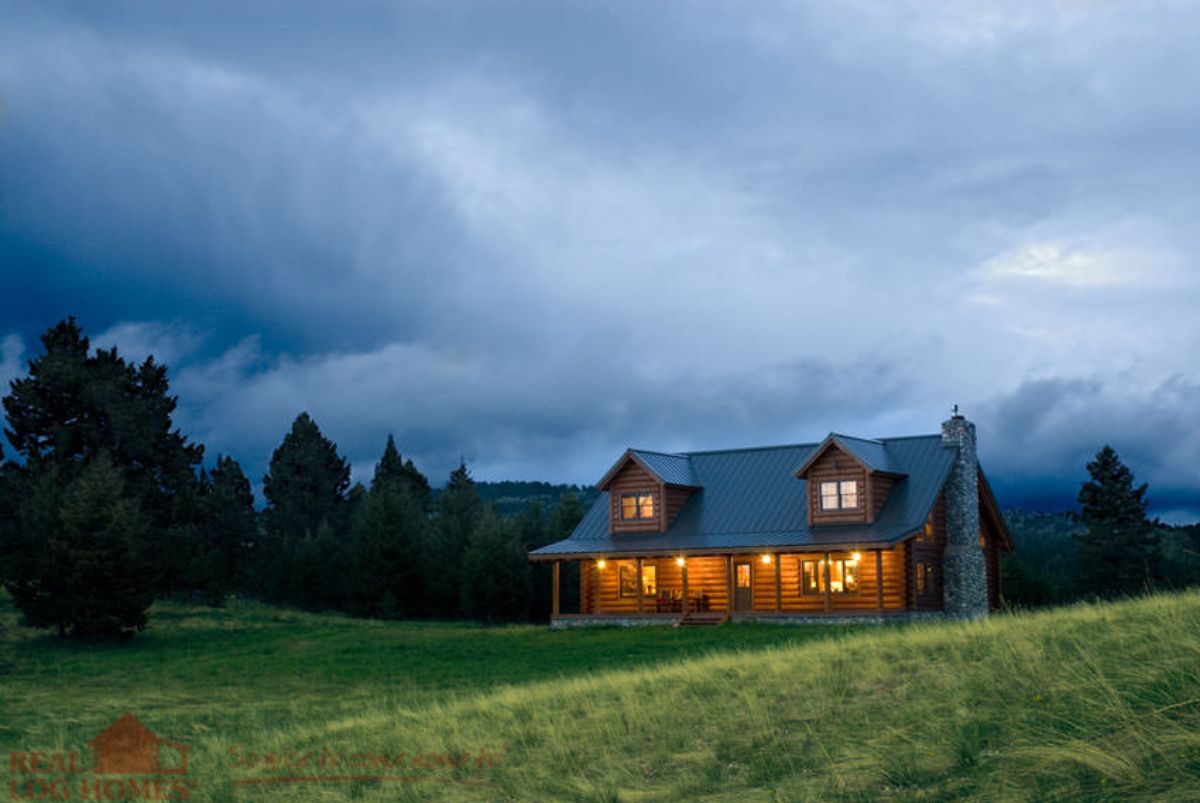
[848,529]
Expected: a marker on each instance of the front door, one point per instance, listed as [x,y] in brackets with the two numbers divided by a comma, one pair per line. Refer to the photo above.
[743,595]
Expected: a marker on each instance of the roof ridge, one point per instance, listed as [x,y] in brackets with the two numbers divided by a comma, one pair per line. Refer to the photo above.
[857,438]
[878,441]
[750,448]
[661,454]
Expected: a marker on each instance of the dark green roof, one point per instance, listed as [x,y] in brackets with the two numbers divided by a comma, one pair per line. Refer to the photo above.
[874,455]
[673,469]
[752,499]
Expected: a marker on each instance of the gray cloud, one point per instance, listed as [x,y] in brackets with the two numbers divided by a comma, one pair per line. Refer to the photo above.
[534,235]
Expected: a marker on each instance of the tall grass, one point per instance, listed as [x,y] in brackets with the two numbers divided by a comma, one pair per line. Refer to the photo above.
[1092,702]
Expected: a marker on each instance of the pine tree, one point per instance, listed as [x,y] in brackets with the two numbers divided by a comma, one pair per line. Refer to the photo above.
[1119,548]
[305,489]
[306,483]
[75,406]
[495,584]
[392,469]
[229,532]
[390,536]
[86,574]
[459,510]
[390,542]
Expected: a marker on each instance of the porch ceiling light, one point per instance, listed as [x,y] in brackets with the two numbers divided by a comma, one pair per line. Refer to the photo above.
[600,564]
[856,557]
[766,558]
[680,561]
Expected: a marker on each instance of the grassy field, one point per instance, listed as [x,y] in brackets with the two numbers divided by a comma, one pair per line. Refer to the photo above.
[1093,702]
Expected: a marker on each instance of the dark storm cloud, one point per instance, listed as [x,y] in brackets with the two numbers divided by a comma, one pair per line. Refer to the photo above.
[533,234]
[1049,429]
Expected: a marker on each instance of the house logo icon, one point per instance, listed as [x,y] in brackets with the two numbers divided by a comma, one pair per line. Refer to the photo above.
[127,747]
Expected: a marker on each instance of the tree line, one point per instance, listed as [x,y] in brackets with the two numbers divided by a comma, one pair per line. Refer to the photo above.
[1108,547]
[110,507]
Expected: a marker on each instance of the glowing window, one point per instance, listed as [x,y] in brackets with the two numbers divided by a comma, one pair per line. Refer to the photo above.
[925,579]
[649,580]
[839,495]
[637,506]
[843,576]
[743,575]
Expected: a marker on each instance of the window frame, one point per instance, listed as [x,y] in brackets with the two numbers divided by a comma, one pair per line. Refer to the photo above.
[641,500]
[627,580]
[924,579]
[839,495]
[819,566]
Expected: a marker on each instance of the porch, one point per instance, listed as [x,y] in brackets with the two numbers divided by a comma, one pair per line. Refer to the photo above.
[737,586]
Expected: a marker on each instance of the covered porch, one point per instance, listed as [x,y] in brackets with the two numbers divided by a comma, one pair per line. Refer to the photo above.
[649,589]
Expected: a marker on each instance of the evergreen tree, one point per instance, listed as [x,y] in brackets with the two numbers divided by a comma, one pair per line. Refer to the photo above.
[390,536]
[74,406]
[85,572]
[229,532]
[495,584]
[1119,548]
[459,510]
[306,483]
[8,512]
[393,470]
[305,489]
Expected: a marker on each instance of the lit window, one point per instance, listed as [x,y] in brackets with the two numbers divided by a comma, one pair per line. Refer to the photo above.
[839,495]
[637,506]
[743,575]
[925,579]
[843,576]
[627,580]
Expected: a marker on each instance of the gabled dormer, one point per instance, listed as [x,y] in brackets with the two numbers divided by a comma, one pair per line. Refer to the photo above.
[647,490]
[849,480]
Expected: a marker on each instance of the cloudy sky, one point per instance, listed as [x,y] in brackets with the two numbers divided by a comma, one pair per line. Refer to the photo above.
[532,234]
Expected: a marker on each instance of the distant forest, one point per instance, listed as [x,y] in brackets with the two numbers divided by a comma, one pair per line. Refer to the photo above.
[106,506]
[511,497]
[1046,567]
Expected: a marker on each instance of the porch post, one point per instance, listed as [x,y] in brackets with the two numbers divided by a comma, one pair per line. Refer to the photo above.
[828,605]
[778,584]
[879,579]
[685,590]
[554,597]
[729,592]
[639,582]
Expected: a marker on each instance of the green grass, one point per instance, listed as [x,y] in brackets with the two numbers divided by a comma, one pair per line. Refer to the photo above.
[1092,701]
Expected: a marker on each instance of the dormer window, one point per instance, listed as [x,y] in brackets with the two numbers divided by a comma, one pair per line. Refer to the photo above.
[637,507]
[839,495]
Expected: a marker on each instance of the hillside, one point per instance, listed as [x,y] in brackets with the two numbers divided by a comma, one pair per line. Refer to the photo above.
[513,497]
[1095,701]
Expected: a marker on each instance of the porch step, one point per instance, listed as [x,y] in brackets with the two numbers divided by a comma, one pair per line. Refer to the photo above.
[702,619]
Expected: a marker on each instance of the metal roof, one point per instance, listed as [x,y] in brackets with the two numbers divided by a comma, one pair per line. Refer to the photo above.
[673,469]
[873,454]
[752,499]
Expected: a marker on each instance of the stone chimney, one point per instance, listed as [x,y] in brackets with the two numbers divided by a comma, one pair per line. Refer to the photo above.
[965,578]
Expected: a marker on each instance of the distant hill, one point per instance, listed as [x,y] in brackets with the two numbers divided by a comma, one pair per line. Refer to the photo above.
[512,497]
